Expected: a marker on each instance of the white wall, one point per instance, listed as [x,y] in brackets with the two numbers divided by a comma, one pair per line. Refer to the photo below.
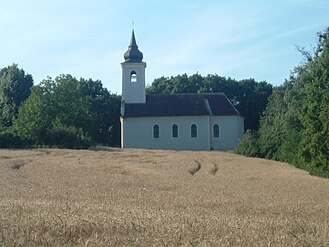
[138,133]
[231,129]
[133,92]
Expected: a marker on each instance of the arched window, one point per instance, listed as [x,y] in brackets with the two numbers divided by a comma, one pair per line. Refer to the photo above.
[216,131]
[133,76]
[194,131]
[174,130]
[156,131]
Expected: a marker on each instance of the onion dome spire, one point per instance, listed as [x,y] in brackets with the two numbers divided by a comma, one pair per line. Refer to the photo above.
[133,55]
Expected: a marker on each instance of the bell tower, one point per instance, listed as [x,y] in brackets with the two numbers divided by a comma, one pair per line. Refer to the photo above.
[133,74]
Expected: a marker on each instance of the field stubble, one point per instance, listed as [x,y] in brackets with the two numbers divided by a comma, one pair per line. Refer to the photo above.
[116,197]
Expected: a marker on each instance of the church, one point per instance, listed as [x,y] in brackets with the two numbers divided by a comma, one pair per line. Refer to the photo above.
[200,121]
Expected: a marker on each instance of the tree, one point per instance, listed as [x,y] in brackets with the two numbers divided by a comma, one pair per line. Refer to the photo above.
[14,90]
[315,140]
[105,111]
[70,113]
[295,126]
[160,85]
[72,106]
[36,115]
[272,131]
[56,114]
[249,145]
[250,98]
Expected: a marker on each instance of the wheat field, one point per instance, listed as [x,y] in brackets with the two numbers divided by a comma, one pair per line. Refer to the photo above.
[114,197]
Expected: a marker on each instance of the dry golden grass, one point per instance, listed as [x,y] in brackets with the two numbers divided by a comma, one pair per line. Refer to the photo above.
[116,197]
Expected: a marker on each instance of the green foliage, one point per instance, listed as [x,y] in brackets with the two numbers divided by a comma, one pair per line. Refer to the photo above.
[288,151]
[53,101]
[248,96]
[36,116]
[315,140]
[9,139]
[69,113]
[272,131]
[295,126]
[105,113]
[251,100]
[249,144]
[69,137]
[14,90]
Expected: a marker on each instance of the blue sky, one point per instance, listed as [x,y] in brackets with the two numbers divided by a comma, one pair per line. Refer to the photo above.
[235,38]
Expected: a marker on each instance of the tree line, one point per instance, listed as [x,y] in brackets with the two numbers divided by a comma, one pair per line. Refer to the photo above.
[62,112]
[295,125]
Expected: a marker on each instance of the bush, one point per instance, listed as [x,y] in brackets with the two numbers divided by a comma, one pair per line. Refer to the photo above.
[9,139]
[248,145]
[69,137]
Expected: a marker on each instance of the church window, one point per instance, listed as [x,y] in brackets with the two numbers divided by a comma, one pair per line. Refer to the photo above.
[174,129]
[194,131]
[133,76]
[156,131]
[216,131]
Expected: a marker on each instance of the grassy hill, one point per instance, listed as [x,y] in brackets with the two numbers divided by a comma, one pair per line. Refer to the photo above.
[119,197]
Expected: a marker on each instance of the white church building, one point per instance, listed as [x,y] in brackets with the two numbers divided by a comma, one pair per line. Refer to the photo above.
[202,121]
